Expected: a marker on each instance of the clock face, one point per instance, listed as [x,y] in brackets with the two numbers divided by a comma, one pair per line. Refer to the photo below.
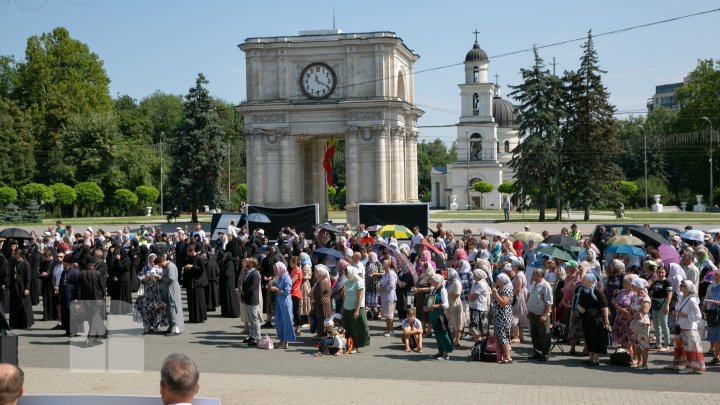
[318,81]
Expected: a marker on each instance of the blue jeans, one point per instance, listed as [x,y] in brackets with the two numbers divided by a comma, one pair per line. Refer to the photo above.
[660,325]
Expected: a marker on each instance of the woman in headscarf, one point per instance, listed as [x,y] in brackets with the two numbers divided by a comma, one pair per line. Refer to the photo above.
[372,276]
[454,312]
[422,291]
[502,294]
[519,307]
[283,306]
[407,277]
[320,295]
[594,315]
[479,302]
[354,315]
[621,332]
[614,285]
[688,346]
[386,286]
[570,290]
[337,288]
[437,304]
[150,305]
[466,279]
[640,324]
[712,302]
[229,303]
[707,267]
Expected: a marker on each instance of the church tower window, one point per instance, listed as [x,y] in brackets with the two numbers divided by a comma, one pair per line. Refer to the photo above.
[476,104]
[507,146]
[476,75]
[476,147]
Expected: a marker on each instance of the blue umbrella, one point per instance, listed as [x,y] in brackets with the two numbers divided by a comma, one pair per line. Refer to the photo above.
[328,251]
[626,250]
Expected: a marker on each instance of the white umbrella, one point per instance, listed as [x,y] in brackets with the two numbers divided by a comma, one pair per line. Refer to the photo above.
[715,230]
[693,234]
[492,231]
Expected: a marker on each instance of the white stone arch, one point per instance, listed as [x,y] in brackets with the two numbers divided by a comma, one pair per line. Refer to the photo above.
[401,89]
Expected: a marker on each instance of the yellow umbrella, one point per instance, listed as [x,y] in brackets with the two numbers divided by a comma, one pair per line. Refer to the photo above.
[624,240]
[528,236]
[395,231]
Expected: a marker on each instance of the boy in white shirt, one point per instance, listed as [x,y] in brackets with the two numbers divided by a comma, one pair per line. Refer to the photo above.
[412,331]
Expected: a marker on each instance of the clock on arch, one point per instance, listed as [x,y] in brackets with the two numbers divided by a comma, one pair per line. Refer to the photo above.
[318,81]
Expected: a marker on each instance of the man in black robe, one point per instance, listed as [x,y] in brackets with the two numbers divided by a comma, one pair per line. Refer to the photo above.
[69,279]
[195,280]
[21,315]
[91,293]
[229,304]
[212,269]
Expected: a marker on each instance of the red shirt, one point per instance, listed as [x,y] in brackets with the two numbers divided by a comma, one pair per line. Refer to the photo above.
[295,289]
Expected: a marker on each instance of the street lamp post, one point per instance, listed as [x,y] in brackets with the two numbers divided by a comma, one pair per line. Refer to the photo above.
[645,162]
[711,158]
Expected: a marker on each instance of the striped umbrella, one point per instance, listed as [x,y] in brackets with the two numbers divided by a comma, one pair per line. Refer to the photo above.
[395,231]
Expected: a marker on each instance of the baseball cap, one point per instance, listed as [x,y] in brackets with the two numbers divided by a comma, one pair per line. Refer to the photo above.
[573,226]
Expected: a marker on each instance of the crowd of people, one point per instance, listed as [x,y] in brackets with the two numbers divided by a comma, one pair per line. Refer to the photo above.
[450,287]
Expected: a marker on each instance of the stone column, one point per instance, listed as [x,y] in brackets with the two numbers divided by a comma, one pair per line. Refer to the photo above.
[380,135]
[411,158]
[258,170]
[288,169]
[319,178]
[398,164]
[352,168]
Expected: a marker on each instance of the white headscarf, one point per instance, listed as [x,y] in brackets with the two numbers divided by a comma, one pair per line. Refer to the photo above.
[676,276]
[504,278]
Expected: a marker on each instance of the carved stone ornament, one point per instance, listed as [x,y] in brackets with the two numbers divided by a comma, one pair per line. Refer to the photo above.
[397,132]
[268,118]
[365,116]
[351,131]
[379,130]
[412,135]
[366,136]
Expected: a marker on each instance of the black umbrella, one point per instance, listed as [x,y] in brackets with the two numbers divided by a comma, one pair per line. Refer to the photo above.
[15,233]
[562,240]
[648,236]
[328,251]
[328,227]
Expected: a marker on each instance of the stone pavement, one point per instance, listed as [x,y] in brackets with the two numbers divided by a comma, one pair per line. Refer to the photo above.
[273,389]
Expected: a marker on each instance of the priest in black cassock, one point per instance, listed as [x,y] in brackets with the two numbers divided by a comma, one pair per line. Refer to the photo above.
[212,269]
[229,303]
[21,314]
[120,283]
[195,280]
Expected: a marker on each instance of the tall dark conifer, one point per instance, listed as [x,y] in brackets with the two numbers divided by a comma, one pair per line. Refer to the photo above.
[590,145]
[536,159]
[197,151]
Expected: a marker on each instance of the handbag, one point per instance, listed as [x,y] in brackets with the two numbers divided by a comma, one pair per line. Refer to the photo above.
[711,317]
[141,290]
[621,357]
[265,343]
[656,305]
[677,330]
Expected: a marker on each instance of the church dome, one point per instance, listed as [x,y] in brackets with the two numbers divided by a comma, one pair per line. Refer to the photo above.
[476,54]
[503,112]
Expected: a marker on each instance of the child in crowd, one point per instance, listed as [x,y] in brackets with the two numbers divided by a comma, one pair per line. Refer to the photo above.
[334,343]
[412,332]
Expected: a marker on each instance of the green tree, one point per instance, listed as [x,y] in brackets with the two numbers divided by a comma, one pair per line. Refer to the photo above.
[64,194]
[197,151]
[7,195]
[482,187]
[627,189]
[332,193]
[700,96]
[89,194]
[16,141]
[590,136]
[147,195]
[241,191]
[507,187]
[59,78]
[8,76]
[535,160]
[38,192]
[90,148]
[124,200]
[429,155]
[164,112]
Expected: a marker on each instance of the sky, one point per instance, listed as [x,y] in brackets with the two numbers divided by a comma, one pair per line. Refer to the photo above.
[163,45]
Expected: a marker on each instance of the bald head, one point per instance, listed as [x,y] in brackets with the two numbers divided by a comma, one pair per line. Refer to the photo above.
[11,384]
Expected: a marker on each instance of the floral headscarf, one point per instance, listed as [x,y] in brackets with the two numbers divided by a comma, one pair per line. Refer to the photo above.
[281,269]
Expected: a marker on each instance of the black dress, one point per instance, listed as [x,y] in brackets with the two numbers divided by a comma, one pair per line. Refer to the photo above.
[212,296]
[195,282]
[596,336]
[121,287]
[229,304]
[4,283]
[21,315]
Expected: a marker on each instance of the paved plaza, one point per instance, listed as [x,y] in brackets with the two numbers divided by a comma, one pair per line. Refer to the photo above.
[129,363]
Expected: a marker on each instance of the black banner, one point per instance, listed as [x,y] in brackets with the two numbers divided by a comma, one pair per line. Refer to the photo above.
[302,218]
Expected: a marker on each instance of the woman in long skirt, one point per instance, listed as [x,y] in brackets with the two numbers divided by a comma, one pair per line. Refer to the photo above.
[594,315]
[320,295]
[436,309]
[688,345]
[150,305]
[354,315]
[283,306]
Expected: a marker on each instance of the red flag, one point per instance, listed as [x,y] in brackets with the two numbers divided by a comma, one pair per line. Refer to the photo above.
[327,161]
